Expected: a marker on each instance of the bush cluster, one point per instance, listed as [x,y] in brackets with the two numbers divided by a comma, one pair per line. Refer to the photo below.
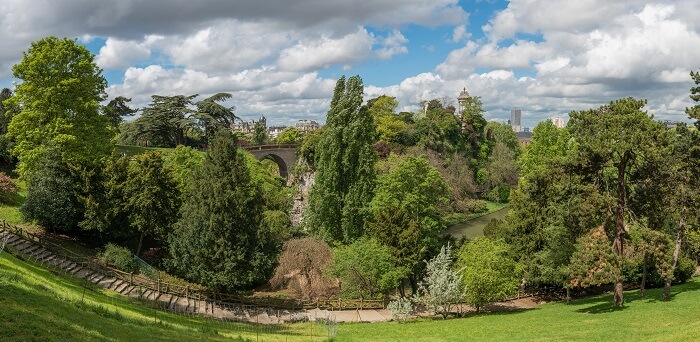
[120,257]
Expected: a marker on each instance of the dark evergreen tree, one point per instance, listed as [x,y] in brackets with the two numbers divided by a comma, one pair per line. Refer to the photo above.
[166,121]
[116,109]
[346,158]
[218,240]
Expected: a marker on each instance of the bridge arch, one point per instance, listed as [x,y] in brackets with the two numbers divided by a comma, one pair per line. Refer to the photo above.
[283,155]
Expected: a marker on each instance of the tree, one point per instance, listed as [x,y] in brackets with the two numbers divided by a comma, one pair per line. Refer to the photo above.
[152,198]
[105,202]
[694,112]
[218,240]
[365,269]
[474,126]
[441,287]
[116,109]
[616,134]
[406,212]
[302,265]
[501,172]
[213,116]
[6,114]
[388,124]
[594,262]
[259,134]
[488,273]
[289,135]
[345,177]
[184,162]
[58,101]
[52,194]
[166,121]
[684,192]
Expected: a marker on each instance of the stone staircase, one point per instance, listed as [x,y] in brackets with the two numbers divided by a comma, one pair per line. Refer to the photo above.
[167,301]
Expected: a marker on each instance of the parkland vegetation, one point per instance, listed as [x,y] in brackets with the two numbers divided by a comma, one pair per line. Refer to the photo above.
[609,200]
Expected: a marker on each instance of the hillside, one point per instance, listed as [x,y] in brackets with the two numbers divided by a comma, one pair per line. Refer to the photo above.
[38,305]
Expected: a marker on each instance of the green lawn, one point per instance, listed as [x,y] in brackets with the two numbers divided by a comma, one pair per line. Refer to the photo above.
[40,306]
[590,319]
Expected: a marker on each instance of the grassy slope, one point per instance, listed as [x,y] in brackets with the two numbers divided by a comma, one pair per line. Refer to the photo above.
[590,319]
[37,305]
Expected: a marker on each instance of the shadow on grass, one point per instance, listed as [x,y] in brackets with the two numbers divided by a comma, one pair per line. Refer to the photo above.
[603,303]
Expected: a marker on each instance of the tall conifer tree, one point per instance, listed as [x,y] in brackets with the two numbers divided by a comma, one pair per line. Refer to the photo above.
[345,179]
[218,240]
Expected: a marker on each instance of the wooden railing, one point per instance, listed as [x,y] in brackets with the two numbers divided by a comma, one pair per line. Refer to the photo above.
[161,287]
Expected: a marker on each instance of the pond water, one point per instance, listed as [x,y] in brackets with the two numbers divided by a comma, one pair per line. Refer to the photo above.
[473,228]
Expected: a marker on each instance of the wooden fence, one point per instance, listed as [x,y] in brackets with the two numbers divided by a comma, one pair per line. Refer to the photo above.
[159,286]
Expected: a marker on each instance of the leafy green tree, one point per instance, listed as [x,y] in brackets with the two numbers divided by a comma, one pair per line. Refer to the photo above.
[152,198]
[105,202]
[6,114]
[218,240]
[166,121]
[474,127]
[497,132]
[365,269]
[488,273]
[259,134]
[344,183]
[388,125]
[309,147]
[184,162]
[547,145]
[652,250]
[617,134]
[694,112]
[406,203]
[59,99]
[392,227]
[289,135]
[440,130]
[441,287]
[501,172]
[213,116]
[116,109]
[52,194]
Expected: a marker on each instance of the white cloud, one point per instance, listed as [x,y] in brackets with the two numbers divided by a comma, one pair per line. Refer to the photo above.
[393,44]
[118,54]
[326,51]
[460,33]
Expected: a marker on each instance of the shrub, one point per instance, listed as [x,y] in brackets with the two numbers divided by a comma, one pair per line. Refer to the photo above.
[400,308]
[8,188]
[120,257]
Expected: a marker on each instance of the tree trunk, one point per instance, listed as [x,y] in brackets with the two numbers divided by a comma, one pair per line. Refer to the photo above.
[620,226]
[644,276]
[138,250]
[676,251]
[568,295]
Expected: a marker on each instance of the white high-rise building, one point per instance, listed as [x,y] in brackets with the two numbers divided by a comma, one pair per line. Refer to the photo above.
[557,121]
[515,119]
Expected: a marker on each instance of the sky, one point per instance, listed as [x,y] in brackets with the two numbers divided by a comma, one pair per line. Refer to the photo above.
[281,59]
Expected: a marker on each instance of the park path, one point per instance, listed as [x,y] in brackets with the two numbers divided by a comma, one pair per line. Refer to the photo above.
[222,310]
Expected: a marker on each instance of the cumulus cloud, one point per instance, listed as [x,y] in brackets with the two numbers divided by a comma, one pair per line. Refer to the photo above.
[117,54]
[326,51]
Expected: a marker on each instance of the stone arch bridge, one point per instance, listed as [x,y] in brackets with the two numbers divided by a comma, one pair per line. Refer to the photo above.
[283,155]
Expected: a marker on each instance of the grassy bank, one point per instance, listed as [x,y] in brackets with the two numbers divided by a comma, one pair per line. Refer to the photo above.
[491,207]
[38,305]
[590,319]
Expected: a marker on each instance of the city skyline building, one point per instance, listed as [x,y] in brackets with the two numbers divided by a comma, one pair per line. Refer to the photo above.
[516,119]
